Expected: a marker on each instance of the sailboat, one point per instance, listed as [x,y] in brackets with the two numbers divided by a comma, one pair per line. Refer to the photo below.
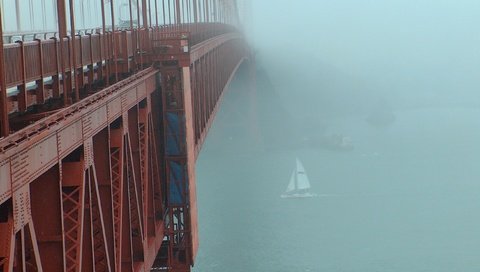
[299,185]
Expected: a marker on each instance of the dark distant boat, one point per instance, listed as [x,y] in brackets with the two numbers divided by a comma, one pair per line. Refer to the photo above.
[299,185]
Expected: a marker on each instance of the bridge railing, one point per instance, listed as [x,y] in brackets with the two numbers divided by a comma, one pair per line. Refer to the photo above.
[40,58]
[40,70]
[197,32]
[28,36]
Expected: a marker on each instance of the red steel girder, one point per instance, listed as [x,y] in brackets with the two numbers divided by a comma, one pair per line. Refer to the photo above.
[86,187]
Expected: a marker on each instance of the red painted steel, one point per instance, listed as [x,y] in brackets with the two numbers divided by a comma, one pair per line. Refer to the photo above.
[87,171]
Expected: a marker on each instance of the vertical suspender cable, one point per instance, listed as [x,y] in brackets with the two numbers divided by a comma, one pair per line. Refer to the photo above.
[219,11]
[93,15]
[164,17]
[62,33]
[82,13]
[195,15]
[86,17]
[148,7]
[131,26]
[174,14]
[139,22]
[146,26]
[150,23]
[156,13]
[188,11]
[207,13]
[89,22]
[98,23]
[131,14]
[163,9]
[2,5]
[185,12]
[169,12]
[74,48]
[55,17]
[32,15]
[5,127]
[178,13]
[114,45]
[17,13]
[214,12]
[180,17]
[44,16]
[201,12]
[103,45]
[215,16]
[206,10]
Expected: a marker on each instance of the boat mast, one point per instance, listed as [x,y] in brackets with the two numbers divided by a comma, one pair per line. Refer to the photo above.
[296,177]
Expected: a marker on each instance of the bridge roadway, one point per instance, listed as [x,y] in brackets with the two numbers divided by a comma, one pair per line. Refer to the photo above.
[97,158]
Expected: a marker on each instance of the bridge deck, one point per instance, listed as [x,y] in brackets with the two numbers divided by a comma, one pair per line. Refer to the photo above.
[98,168]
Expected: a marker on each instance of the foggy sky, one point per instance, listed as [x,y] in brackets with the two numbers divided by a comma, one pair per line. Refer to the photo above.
[412,52]
[88,14]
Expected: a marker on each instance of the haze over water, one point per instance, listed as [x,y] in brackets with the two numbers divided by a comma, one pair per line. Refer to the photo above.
[406,198]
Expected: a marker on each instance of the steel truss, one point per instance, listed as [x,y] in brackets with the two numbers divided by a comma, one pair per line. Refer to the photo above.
[104,180]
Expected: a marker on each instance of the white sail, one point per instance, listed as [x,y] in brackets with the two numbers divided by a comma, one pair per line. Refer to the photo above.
[299,185]
[291,185]
[302,178]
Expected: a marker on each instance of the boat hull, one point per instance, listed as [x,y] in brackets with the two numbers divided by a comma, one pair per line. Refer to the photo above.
[303,195]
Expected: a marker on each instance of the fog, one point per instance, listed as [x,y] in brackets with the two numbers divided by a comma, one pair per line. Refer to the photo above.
[353,148]
[377,103]
[41,15]
[412,53]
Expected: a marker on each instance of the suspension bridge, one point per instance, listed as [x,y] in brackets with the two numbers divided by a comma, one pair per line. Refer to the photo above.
[104,106]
